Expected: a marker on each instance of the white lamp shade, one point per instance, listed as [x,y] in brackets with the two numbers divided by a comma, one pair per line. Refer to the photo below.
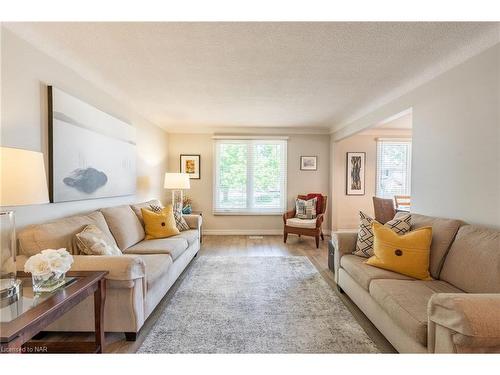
[176,181]
[23,177]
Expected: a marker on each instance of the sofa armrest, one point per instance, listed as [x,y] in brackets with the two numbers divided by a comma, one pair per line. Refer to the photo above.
[343,243]
[462,323]
[120,268]
[194,221]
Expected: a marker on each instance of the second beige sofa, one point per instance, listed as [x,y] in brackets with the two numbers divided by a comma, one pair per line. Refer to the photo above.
[137,280]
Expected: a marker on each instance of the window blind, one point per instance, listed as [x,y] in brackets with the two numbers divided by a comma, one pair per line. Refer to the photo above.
[393,167]
[250,176]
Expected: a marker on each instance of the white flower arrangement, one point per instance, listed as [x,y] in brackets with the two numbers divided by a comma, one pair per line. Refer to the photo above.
[49,262]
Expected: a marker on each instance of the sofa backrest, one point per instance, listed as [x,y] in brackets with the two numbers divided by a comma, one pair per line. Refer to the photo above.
[473,262]
[443,233]
[59,233]
[124,225]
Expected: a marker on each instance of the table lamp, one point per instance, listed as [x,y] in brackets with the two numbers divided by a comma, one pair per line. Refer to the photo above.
[23,182]
[176,182]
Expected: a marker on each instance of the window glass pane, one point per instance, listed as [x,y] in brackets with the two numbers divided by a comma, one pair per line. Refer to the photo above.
[393,168]
[267,176]
[232,189]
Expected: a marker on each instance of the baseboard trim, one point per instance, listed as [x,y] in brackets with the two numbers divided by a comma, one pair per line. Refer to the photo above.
[248,232]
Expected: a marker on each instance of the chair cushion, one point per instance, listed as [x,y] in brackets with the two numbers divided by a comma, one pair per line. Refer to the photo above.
[172,246]
[363,274]
[473,262]
[301,223]
[124,224]
[59,233]
[191,236]
[155,265]
[443,233]
[406,302]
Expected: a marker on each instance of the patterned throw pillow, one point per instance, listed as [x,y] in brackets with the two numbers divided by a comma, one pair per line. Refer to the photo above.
[93,241]
[155,208]
[364,245]
[180,223]
[305,209]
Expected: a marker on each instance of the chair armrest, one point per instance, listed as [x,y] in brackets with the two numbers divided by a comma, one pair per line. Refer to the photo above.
[461,323]
[120,268]
[194,221]
[319,220]
[343,243]
[288,215]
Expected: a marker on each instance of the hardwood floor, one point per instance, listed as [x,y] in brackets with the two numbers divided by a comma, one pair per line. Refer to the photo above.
[242,246]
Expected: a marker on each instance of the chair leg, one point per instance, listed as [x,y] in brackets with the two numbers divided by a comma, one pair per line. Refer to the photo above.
[285,236]
[299,235]
[322,237]
[317,241]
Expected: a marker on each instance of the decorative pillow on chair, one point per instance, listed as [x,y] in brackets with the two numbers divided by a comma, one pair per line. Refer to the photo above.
[305,209]
[407,254]
[93,241]
[159,224]
[364,245]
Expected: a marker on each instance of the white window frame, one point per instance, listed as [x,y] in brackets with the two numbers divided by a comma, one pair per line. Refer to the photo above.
[380,141]
[249,210]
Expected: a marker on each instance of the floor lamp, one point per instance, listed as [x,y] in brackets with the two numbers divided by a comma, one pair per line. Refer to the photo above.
[176,182]
[23,182]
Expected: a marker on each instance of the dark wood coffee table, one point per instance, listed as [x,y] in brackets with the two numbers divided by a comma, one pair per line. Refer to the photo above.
[32,313]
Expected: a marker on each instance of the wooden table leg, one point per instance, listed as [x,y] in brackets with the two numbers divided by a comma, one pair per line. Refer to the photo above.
[99,300]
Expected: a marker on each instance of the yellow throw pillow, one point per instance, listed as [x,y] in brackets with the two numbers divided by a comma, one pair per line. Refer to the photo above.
[159,224]
[407,254]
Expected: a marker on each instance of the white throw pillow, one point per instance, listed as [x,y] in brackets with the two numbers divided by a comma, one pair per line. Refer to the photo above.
[305,209]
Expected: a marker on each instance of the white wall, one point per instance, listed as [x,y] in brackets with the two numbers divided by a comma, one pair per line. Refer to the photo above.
[26,72]
[298,182]
[456,140]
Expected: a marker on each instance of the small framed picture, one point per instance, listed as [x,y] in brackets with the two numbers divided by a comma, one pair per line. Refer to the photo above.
[308,163]
[191,165]
[355,173]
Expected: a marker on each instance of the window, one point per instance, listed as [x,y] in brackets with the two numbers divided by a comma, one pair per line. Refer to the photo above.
[393,167]
[250,176]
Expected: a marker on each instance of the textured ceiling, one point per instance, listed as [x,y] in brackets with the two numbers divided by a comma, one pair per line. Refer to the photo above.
[201,75]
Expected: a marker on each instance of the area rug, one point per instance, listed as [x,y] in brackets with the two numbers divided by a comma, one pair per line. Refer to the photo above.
[255,305]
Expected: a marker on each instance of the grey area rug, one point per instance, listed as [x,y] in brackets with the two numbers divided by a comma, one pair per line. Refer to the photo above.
[255,305]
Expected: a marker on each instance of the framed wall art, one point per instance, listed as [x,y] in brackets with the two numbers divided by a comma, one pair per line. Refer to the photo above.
[355,173]
[191,165]
[91,153]
[308,163]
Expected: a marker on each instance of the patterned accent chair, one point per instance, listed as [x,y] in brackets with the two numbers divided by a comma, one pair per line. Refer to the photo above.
[306,227]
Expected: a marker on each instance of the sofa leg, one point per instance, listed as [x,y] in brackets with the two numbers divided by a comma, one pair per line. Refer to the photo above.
[285,236]
[340,289]
[317,241]
[130,336]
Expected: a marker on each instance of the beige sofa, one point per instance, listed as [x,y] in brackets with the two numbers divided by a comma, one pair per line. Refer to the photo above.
[136,281]
[457,312]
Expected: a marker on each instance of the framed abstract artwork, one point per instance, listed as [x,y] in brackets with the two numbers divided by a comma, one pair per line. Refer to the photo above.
[355,173]
[191,165]
[308,163]
[91,153]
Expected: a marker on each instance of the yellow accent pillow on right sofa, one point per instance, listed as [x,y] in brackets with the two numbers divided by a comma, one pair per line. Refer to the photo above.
[159,224]
[407,254]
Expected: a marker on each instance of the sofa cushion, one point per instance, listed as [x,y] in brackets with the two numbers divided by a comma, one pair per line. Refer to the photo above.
[443,233]
[124,225]
[301,223]
[363,274]
[172,246]
[473,262]
[155,265]
[191,236]
[405,301]
[59,233]
[137,208]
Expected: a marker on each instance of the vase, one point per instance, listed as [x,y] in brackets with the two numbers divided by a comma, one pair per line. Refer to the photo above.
[186,210]
[47,284]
